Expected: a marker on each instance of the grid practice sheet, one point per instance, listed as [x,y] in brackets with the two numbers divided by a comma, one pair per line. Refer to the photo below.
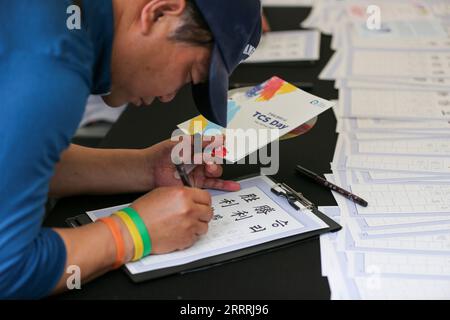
[251,216]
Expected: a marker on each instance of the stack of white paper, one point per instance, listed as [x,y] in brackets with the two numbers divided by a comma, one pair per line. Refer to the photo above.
[287,3]
[393,149]
[283,46]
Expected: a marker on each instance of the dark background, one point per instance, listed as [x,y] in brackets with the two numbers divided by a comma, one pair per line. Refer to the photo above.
[292,272]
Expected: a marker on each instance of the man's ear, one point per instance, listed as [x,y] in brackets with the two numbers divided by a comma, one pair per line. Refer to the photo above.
[156,9]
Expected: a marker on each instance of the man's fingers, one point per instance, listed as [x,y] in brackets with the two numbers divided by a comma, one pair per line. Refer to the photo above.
[265,24]
[213,170]
[231,186]
[207,140]
[201,228]
[200,197]
[203,213]
[223,185]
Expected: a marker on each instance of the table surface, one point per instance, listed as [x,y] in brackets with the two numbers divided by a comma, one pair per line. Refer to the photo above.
[292,272]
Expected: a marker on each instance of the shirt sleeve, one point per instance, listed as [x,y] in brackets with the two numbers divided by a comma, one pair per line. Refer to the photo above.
[41,103]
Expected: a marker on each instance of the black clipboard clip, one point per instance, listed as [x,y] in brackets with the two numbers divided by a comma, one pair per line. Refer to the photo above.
[296,199]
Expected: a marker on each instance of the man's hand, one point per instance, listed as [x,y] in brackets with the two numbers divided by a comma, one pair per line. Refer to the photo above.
[162,170]
[265,24]
[175,217]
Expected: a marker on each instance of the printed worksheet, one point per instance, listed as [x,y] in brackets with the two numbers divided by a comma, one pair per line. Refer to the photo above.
[382,223]
[392,68]
[395,104]
[389,224]
[401,265]
[432,147]
[383,275]
[247,216]
[421,84]
[436,244]
[392,11]
[397,63]
[404,198]
[402,289]
[380,175]
[381,125]
[406,33]
[400,199]
[387,135]
[364,176]
[242,219]
[406,230]
[398,163]
[278,46]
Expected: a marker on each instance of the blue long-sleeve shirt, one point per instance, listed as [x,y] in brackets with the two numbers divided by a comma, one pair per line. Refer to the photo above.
[46,74]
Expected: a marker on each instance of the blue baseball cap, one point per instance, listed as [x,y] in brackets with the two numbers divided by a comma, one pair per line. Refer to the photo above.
[236,27]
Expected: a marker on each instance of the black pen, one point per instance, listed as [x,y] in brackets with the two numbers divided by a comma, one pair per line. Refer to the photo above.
[323,182]
[182,173]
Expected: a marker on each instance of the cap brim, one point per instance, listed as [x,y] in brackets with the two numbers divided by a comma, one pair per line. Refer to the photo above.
[211,98]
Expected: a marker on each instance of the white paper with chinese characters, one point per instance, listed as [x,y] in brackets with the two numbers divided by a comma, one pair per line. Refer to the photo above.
[242,219]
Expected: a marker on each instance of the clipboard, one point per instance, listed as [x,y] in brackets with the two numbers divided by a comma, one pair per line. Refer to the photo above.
[294,199]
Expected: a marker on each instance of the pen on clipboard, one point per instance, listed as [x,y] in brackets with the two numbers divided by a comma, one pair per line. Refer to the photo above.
[323,182]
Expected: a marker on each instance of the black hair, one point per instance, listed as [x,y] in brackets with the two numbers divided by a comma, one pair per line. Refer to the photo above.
[193,28]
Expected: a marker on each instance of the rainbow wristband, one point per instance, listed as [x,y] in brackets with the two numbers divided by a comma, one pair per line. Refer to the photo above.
[135,235]
[143,231]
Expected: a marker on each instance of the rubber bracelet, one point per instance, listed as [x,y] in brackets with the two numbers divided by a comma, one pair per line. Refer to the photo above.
[114,227]
[137,239]
[143,231]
